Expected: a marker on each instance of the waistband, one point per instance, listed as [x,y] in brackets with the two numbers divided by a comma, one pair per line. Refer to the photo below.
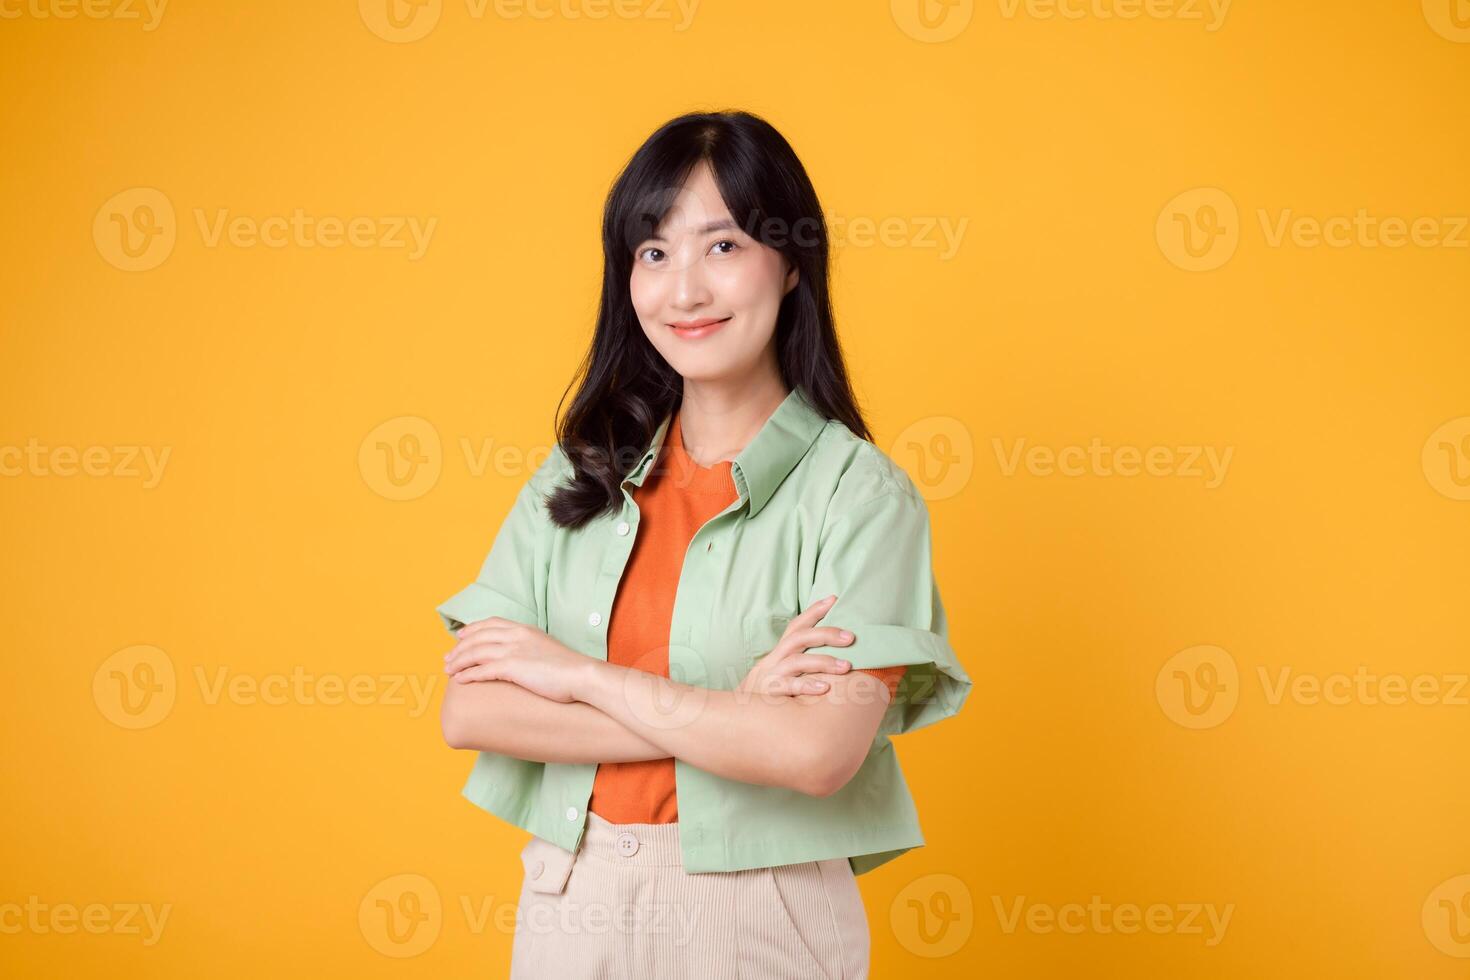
[652,844]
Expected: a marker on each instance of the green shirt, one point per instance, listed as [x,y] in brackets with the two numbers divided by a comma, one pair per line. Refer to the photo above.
[820,511]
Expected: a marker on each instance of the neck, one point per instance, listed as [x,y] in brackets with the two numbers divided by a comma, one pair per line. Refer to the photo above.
[717,421]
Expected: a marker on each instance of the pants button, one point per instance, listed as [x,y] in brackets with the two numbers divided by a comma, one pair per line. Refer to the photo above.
[627,844]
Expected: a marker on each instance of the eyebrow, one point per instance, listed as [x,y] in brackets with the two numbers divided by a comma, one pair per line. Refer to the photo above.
[724,224]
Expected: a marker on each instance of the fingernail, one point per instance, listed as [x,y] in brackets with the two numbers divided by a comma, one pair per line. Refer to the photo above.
[844,634]
[843,664]
[830,598]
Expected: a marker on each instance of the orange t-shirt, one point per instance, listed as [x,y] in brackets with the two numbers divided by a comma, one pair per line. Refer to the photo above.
[675,500]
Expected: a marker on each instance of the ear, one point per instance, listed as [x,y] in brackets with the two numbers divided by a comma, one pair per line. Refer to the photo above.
[792,275]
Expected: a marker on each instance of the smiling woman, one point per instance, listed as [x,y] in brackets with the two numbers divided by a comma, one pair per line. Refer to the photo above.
[632,660]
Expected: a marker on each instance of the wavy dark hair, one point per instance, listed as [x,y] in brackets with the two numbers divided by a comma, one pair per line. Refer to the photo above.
[627,388]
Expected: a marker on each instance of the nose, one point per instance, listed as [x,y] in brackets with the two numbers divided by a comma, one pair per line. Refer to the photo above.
[690,291]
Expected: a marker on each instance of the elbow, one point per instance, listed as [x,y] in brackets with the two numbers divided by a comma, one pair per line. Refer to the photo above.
[827,775]
[453,723]
[454,735]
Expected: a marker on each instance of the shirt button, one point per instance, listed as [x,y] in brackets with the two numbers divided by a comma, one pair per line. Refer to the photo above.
[571,813]
[623,527]
[627,845]
[594,619]
[537,868]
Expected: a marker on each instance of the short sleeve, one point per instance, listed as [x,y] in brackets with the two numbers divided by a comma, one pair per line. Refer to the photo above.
[876,558]
[512,579]
[890,676]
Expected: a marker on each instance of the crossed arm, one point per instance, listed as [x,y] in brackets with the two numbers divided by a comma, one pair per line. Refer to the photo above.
[812,743]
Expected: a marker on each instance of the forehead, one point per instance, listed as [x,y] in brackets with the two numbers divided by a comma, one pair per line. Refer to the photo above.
[697,203]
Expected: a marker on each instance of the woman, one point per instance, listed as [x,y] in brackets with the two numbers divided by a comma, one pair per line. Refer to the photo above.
[631,660]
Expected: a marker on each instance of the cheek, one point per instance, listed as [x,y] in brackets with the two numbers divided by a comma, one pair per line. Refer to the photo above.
[645,292]
[754,284]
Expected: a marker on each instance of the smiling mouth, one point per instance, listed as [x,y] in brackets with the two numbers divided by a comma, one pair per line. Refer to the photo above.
[698,328]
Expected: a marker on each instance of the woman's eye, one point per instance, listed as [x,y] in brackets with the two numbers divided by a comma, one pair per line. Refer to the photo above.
[654,254]
[725,241]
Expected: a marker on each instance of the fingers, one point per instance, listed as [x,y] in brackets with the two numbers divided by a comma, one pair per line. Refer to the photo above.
[484,625]
[811,615]
[814,663]
[468,652]
[478,672]
[778,685]
[819,636]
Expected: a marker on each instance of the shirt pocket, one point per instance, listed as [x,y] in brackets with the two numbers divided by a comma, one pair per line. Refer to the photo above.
[760,633]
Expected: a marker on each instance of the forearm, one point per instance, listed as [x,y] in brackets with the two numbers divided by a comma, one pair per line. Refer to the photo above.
[501,717]
[767,741]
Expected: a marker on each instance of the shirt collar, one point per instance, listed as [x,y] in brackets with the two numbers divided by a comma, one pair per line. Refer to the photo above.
[767,460]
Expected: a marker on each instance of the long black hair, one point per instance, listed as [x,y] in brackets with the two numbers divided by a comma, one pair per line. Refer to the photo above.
[627,387]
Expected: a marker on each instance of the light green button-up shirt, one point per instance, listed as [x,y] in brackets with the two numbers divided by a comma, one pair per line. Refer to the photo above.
[820,512]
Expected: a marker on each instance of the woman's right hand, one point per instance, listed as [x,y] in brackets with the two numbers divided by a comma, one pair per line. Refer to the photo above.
[786,670]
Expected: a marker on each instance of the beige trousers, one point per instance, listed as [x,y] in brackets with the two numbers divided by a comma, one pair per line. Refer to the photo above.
[623,907]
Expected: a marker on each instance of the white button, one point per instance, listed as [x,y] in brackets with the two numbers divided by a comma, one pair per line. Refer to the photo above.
[627,845]
[571,813]
[594,619]
[537,868]
[623,527]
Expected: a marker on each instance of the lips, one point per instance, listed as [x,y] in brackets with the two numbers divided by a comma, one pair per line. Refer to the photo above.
[698,328]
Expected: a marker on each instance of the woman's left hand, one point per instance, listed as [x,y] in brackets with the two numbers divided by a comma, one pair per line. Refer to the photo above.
[498,649]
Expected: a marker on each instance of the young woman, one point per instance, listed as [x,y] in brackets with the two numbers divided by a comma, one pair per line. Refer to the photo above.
[631,660]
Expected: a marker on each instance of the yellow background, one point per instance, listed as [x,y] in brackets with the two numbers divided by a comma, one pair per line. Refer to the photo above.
[1335,833]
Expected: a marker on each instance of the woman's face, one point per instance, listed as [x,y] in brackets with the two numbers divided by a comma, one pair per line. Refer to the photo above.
[701,272]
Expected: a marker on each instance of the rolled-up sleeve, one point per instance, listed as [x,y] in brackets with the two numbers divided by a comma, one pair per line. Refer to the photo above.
[876,558]
[512,579]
